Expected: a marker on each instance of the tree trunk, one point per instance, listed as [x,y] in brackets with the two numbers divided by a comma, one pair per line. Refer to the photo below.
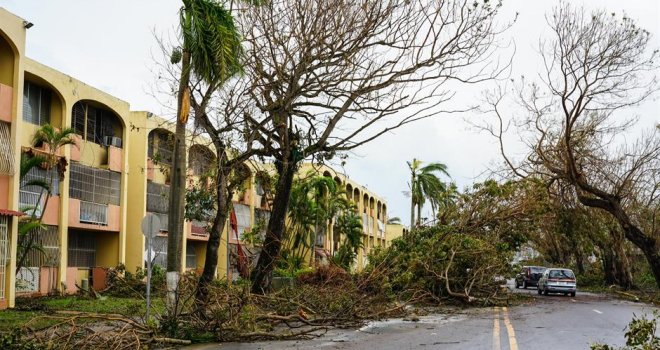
[412,199]
[178,172]
[262,275]
[223,201]
[647,244]
[616,265]
[579,262]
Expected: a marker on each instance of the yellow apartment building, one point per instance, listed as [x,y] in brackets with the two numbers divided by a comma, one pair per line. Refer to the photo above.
[85,218]
[117,172]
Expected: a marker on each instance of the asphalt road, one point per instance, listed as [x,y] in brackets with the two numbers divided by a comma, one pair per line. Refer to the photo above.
[547,322]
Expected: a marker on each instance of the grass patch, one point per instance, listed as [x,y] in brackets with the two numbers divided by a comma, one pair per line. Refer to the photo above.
[29,308]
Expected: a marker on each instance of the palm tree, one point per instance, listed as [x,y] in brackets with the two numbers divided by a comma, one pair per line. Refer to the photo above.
[349,225]
[29,226]
[314,201]
[211,50]
[394,221]
[425,184]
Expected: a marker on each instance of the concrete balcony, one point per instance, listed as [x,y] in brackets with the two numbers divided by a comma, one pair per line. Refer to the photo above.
[94,216]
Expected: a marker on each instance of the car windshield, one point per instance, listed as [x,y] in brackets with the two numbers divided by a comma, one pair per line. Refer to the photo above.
[538,269]
[561,274]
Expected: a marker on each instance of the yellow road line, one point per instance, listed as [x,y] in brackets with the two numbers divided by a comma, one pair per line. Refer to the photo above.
[496,329]
[513,344]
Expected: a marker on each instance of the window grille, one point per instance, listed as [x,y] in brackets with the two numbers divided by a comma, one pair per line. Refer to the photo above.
[158,196]
[81,249]
[164,221]
[242,218]
[6,150]
[4,253]
[31,202]
[191,256]
[159,251]
[91,124]
[27,279]
[94,185]
[48,241]
[93,213]
[78,117]
[48,176]
[36,104]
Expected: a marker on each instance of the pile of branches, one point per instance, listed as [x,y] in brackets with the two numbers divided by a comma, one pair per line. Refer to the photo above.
[83,330]
[442,265]
[325,298]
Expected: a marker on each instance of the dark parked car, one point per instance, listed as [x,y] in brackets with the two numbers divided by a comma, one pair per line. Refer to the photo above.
[529,276]
[558,281]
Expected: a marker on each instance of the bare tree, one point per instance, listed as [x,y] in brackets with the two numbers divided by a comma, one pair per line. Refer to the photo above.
[595,66]
[331,75]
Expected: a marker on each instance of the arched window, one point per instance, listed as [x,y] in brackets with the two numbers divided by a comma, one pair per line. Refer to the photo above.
[160,146]
[200,159]
[97,124]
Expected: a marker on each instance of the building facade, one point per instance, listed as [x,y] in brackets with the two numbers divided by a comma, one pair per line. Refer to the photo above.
[115,174]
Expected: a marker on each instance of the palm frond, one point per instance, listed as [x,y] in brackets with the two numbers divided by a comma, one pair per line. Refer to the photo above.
[27,163]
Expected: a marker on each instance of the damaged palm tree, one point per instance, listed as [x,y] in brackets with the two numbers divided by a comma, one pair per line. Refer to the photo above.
[209,53]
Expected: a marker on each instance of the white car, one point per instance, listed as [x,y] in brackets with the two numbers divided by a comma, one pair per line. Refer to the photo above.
[555,280]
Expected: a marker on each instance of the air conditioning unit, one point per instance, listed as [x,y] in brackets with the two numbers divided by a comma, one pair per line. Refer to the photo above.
[112,141]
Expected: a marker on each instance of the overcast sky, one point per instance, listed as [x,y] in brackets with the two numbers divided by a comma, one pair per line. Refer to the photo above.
[110,44]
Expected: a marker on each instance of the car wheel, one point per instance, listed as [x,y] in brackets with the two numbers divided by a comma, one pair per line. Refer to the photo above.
[524,284]
[516,283]
[545,292]
[573,294]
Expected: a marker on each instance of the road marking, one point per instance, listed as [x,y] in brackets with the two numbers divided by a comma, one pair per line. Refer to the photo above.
[496,329]
[596,311]
[513,344]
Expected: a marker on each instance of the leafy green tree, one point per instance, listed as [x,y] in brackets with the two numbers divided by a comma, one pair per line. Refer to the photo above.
[425,184]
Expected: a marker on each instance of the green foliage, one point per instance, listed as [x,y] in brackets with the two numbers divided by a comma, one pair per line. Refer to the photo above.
[314,201]
[640,335]
[211,38]
[124,283]
[15,340]
[255,236]
[641,332]
[198,201]
[348,227]
[441,262]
